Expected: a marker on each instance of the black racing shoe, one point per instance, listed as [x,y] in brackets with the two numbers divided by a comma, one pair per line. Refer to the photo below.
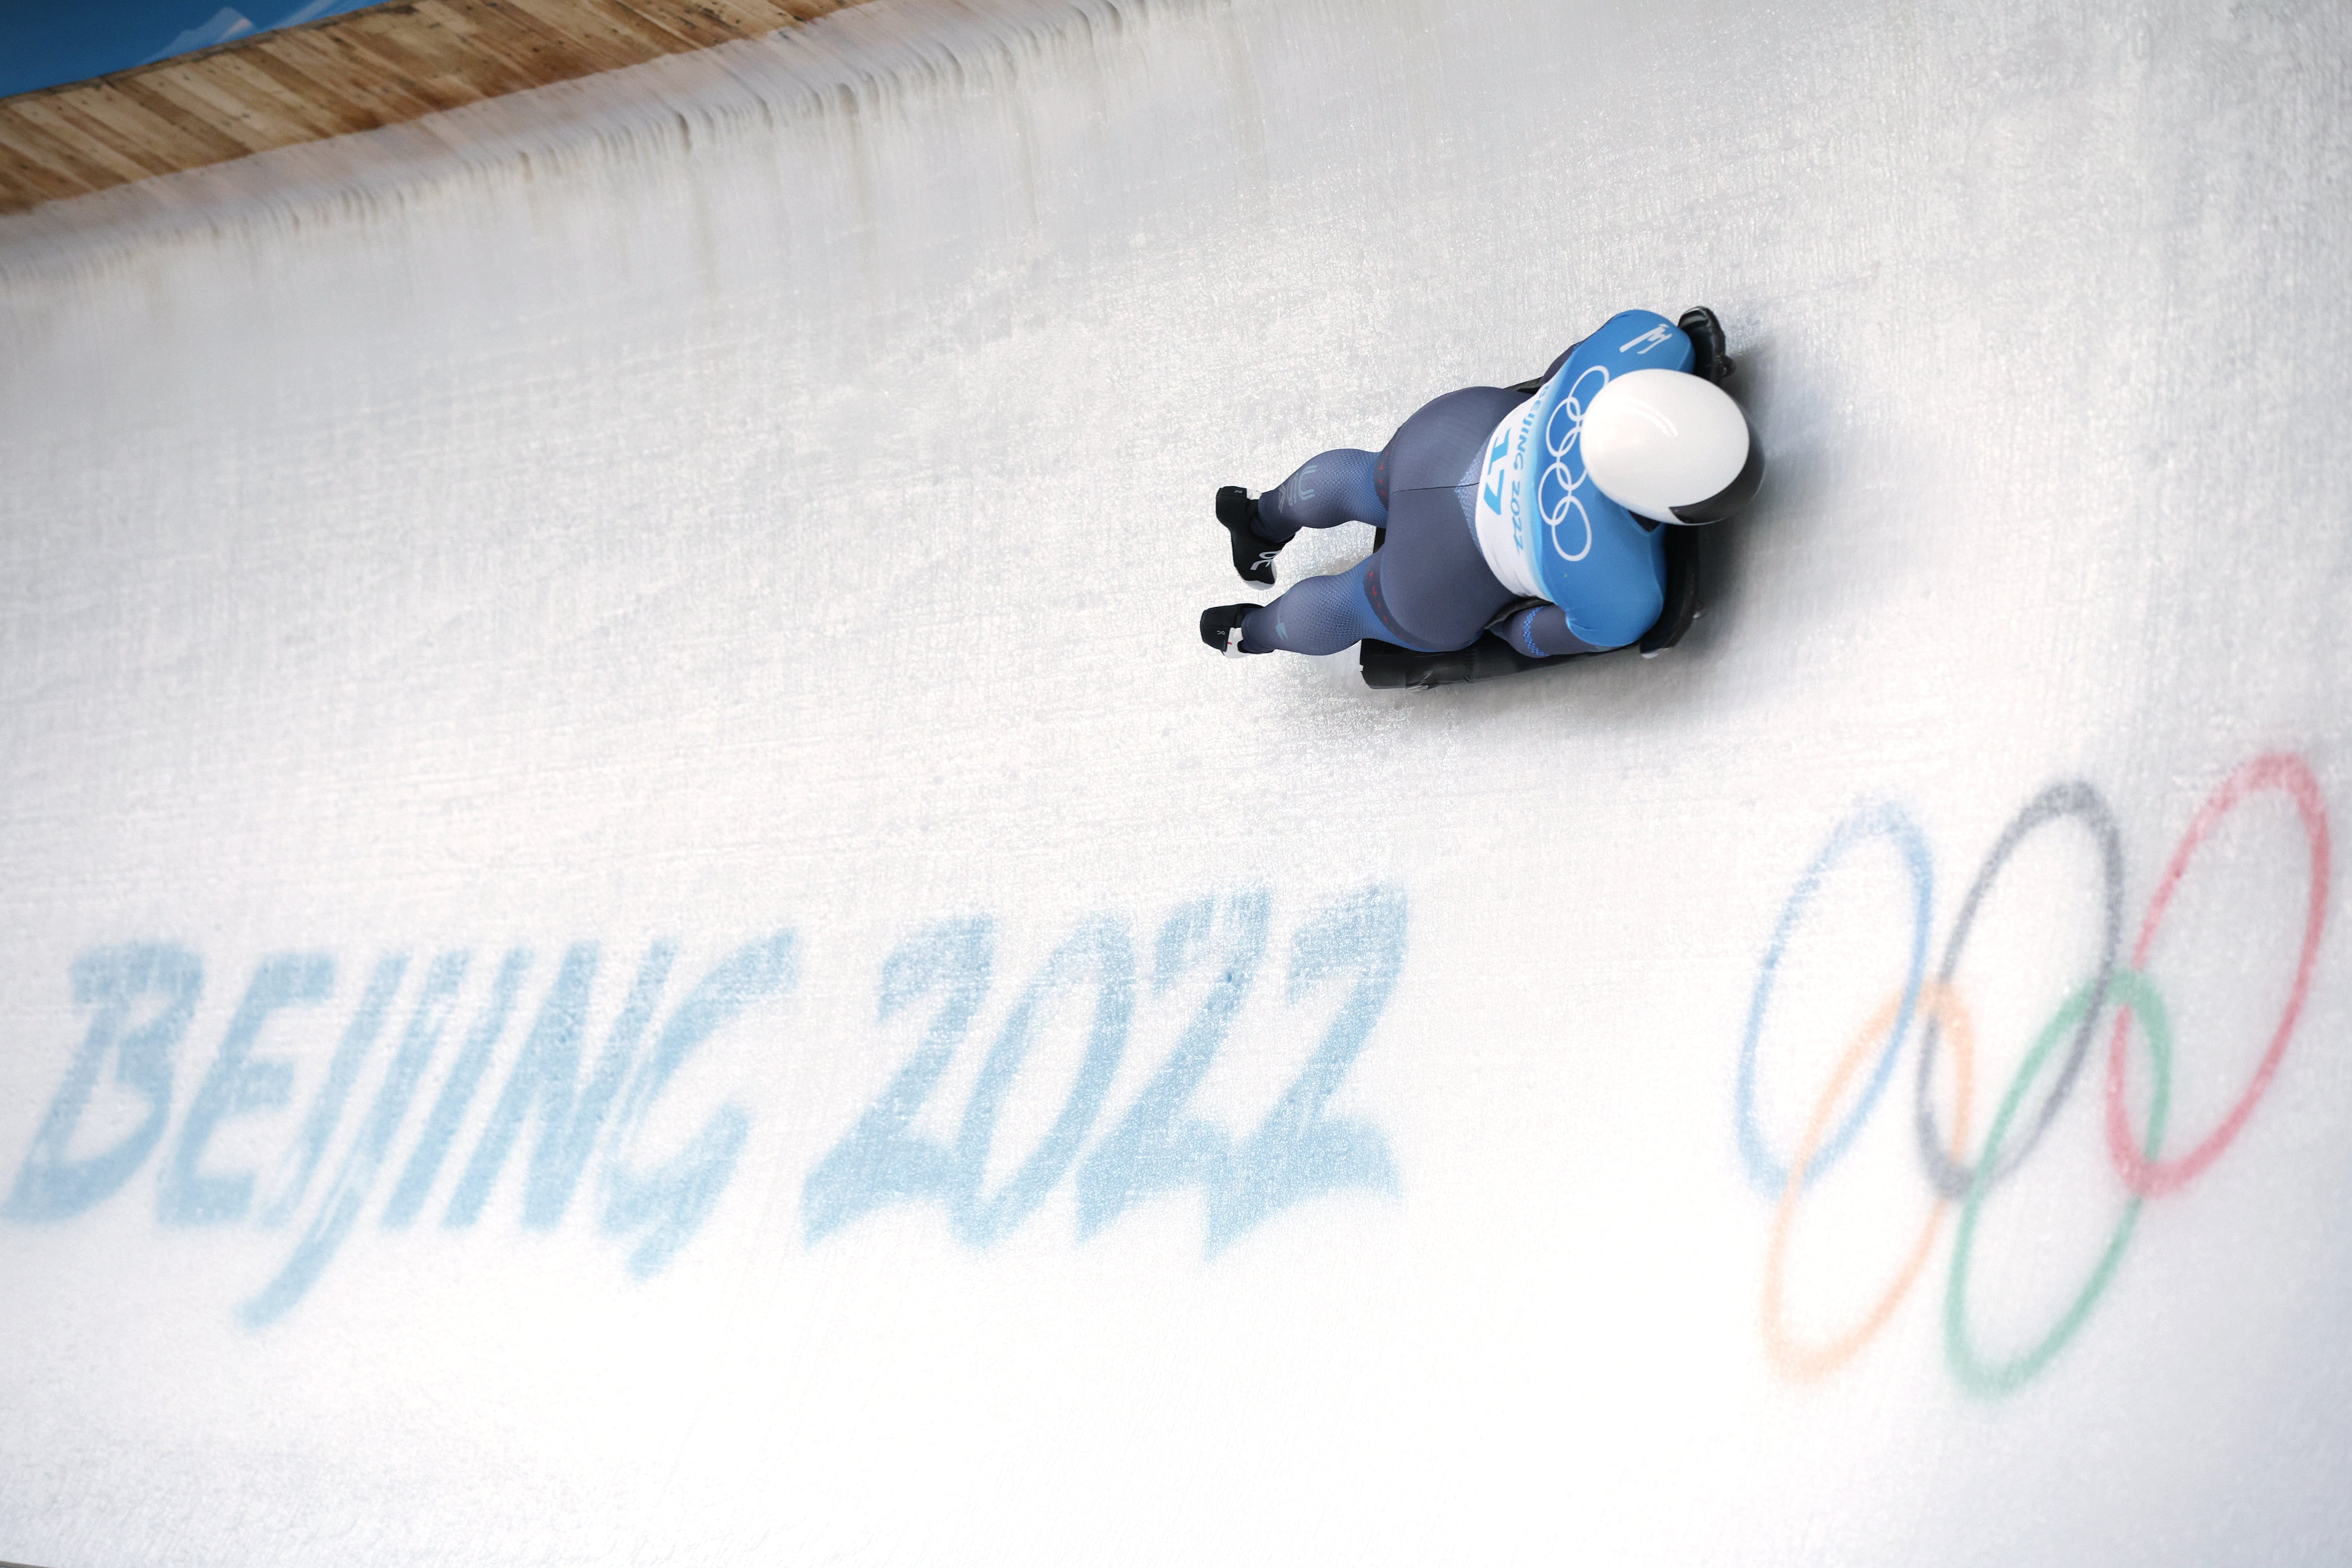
[1706,333]
[1254,553]
[1220,628]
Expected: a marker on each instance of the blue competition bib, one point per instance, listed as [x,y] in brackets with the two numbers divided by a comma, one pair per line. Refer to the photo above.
[1545,529]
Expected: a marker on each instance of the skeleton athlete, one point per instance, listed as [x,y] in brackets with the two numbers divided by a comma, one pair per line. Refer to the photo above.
[1534,512]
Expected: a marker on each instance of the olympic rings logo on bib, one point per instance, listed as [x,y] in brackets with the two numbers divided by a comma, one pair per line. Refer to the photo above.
[2058,1054]
[1556,497]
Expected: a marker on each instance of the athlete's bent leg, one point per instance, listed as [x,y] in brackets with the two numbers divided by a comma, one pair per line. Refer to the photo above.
[1336,486]
[1322,614]
[1434,585]
[1541,632]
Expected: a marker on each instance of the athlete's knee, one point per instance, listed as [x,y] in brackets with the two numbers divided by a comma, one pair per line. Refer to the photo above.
[1301,621]
[1625,617]
[1330,489]
[1543,632]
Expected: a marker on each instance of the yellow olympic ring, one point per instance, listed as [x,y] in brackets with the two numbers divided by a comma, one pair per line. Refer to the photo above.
[1793,1357]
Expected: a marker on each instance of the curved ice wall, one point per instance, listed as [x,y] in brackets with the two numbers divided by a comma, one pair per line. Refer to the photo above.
[635,931]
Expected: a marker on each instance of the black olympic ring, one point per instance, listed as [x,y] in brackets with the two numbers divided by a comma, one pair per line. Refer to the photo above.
[2070,798]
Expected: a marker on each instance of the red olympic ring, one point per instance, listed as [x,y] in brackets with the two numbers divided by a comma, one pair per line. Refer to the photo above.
[2152,1178]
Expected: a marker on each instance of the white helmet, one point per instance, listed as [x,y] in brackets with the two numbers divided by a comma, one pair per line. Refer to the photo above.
[1671,446]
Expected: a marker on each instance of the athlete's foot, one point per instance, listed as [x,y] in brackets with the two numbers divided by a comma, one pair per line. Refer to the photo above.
[1220,628]
[1706,333]
[1254,553]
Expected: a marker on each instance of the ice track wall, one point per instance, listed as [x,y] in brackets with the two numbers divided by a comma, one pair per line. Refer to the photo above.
[634,931]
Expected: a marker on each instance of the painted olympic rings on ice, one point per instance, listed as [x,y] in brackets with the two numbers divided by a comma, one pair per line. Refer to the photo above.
[1811,1361]
[2060,801]
[2057,1053]
[2143,1173]
[1882,821]
[1975,1374]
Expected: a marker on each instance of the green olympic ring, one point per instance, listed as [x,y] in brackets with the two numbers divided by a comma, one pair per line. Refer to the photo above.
[1992,1379]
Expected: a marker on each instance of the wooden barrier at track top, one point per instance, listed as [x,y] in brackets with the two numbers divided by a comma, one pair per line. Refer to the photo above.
[358,71]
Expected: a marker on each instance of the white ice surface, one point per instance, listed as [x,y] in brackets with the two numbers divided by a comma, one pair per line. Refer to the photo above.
[768,492]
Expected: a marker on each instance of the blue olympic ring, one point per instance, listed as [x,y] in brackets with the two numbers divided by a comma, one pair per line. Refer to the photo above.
[1883,820]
